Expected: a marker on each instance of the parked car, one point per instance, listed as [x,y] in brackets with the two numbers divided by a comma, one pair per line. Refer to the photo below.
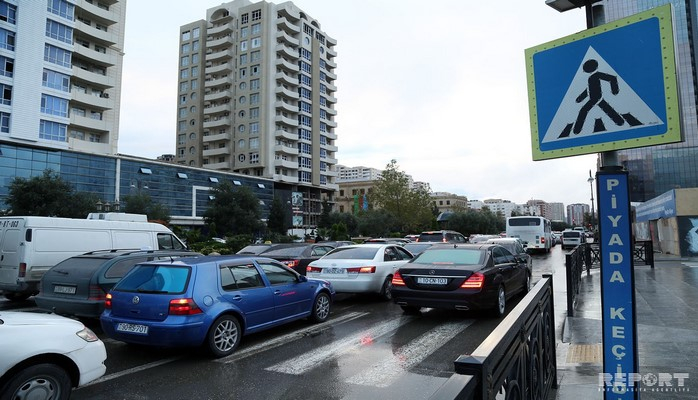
[443,236]
[210,301]
[337,243]
[297,255]
[361,268]
[79,285]
[556,237]
[44,356]
[516,247]
[255,249]
[481,238]
[460,277]
[387,240]
[572,238]
[417,247]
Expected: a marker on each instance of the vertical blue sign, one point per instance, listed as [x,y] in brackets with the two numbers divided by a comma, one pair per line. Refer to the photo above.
[620,363]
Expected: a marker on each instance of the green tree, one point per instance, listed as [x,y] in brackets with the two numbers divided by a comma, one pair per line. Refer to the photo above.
[142,203]
[234,211]
[48,195]
[325,219]
[276,222]
[376,223]
[413,209]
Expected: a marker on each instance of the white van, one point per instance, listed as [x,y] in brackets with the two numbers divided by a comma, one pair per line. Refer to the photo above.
[572,238]
[29,246]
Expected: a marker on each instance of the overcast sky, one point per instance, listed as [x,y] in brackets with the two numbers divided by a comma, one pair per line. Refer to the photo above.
[441,89]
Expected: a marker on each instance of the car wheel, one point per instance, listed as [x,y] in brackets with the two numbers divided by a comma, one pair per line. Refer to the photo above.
[224,336]
[387,289]
[411,310]
[16,296]
[501,305]
[41,381]
[321,308]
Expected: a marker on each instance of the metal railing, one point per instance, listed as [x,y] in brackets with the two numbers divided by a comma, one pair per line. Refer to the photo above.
[574,265]
[517,360]
[643,252]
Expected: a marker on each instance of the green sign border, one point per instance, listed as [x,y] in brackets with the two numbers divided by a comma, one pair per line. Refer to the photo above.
[673,111]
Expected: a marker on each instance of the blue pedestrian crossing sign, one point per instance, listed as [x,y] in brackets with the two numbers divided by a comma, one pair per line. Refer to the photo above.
[607,88]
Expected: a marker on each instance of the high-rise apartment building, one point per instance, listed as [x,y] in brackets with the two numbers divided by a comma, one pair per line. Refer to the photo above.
[60,73]
[256,97]
[657,169]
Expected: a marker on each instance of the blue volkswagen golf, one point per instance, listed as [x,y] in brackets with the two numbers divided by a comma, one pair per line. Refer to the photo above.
[210,301]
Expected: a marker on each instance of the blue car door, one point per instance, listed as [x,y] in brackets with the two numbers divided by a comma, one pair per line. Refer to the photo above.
[243,287]
[291,297]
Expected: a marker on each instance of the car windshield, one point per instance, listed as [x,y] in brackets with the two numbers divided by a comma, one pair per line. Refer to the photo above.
[285,251]
[166,279]
[352,253]
[78,266]
[451,256]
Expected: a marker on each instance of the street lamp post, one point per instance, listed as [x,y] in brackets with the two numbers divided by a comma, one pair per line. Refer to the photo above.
[591,189]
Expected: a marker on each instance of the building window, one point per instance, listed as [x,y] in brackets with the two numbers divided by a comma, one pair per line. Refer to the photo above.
[254,158]
[59,31]
[185,48]
[305,53]
[213,179]
[186,36]
[256,15]
[255,56]
[184,61]
[8,12]
[244,32]
[182,175]
[305,93]
[254,113]
[194,84]
[242,100]
[4,122]
[241,144]
[254,98]
[184,74]
[241,128]
[305,120]
[59,7]
[254,143]
[244,18]
[52,131]
[237,183]
[243,45]
[195,45]
[243,59]
[256,42]
[7,39]
[243,73]
[254,84]
[305,107]
[194,71]
[183,86]
[54,105]
[182,139]
[254,70]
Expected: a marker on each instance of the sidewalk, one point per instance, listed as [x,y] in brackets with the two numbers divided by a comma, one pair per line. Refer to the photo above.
[667,325]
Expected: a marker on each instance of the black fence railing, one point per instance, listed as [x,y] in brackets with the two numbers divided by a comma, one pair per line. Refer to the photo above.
[517,360]
[643,252]
[574,265]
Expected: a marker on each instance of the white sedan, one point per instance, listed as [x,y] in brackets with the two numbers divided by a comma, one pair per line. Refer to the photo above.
[361,268]
[45,355]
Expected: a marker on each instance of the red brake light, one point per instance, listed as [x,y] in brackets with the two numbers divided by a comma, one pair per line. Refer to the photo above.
[107,301]
[397,279]
[362,270]
[96,293]
[22,270]
[292,263]
[476,281]
[313,269]
[184,307]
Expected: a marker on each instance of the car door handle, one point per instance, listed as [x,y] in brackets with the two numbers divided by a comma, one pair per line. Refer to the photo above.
[277,292]
[237,297]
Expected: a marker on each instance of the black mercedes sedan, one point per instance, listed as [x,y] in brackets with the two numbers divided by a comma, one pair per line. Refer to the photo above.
[460,277]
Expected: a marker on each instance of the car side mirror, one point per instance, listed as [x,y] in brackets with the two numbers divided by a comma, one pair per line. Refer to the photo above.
[302,278]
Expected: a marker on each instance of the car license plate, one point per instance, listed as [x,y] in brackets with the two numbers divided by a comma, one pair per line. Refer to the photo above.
[64,289]
[334,270]
[432,281]
[132,328]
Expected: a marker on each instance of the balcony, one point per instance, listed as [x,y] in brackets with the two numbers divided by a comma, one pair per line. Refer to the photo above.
[329,147]
[286,25]
[286,121]
[217,69]
[219,30]
[212,83]
[222,166]
[225,41]
[331,52]
[99,125]
[330,123]
[284,37]
[287,93]
[95,34]
[331,64]
[331,75]
[282,78]
[330,87]
[219,55]
[330,173]
[218,109]
[216,152]
[94,78]
[224,121]
[282,134]
[288,66]
[285,164]
[93,12]
[285,178]
[280,148]
[104,59]
[330,98]
[91,100]
[330,135]
[284,51]
[331,41]
[216,138]
[289,12]
[330,111]
[282,105]
[219,95]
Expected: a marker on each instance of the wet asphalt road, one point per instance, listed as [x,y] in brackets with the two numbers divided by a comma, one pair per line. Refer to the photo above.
[368,349]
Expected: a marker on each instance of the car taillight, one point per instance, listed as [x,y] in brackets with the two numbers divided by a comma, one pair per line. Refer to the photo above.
[292,263]
[96,293]
[397,279]
[313,269]
[107,301]
[361,270]
[476,281]
[22,270]
[184,307]
[542,240]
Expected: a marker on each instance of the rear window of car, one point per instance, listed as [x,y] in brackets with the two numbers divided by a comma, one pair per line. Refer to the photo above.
[431,237]
[451,256]
[352,253]
[121,268]
[572,234]
[285,251]
[166,279]
[79,267]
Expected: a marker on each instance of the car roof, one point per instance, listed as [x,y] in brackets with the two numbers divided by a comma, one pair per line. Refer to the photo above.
[189,261]
[109,254]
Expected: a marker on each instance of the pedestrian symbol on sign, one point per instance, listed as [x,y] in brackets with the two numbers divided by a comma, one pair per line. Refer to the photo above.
[598,101]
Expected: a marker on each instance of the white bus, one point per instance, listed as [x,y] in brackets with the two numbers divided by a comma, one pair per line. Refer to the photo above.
[534,231]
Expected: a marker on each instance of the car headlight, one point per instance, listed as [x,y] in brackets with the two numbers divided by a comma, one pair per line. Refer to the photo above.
[87,335]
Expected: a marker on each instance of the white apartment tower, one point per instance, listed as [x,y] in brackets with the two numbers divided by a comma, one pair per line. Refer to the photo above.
[256,96]
[60,73]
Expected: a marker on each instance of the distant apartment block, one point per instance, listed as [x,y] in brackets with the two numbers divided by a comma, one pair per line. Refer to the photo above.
[449,202]
[60,73]
[575,213]
[256,97]
[347,174]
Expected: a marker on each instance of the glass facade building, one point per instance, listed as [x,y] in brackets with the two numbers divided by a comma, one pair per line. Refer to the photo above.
[184,190]
[658,169]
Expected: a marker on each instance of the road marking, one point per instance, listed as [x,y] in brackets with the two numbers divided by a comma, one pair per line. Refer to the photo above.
[132,371]
[303,363]
[384,373]
[281,340]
